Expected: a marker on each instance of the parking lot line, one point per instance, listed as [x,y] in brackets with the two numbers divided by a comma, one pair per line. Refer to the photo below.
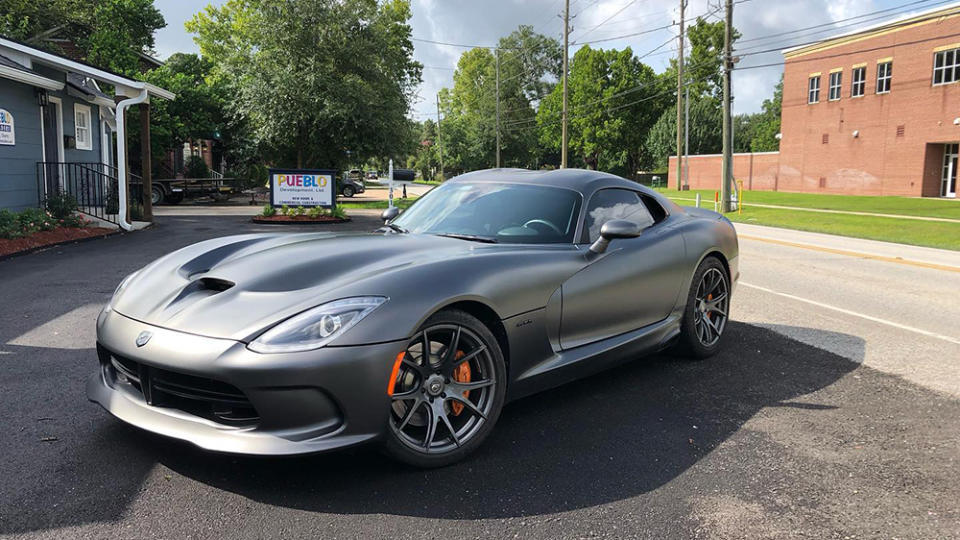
[855,314]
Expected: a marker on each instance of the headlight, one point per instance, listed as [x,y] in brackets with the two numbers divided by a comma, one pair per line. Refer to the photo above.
[123,285]
[315,327]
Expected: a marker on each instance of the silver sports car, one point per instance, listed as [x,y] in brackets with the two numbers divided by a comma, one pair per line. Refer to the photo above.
[495,285]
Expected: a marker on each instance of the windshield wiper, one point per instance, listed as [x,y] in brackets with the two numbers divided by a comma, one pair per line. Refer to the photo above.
[470,237]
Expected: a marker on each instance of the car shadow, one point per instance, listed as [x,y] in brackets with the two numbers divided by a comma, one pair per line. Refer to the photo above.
[605,438]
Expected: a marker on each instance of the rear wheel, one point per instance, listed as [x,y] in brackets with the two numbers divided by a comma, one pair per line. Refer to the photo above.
[706,312]
[448,391]
[156,195]
[348,191]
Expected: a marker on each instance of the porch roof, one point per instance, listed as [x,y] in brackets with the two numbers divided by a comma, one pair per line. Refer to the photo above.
[16,72]
[124,85]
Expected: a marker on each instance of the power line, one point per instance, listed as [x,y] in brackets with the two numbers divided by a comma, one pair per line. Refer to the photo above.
[605,21]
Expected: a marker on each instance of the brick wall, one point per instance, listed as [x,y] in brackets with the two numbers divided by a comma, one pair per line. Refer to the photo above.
[759,171]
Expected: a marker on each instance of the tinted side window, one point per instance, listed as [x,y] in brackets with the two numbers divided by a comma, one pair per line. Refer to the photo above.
[608,204]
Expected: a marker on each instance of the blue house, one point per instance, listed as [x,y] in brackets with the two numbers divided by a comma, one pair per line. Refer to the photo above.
[61,131]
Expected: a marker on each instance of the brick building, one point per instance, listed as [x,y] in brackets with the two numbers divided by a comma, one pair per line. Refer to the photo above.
[872,112]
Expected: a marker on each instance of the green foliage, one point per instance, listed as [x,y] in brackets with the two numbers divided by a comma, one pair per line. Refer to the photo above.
[268,211]
[61,204]
[299,211]
[614,100]
[285,210]
[136,211]
[703,66]
[314,79]
[109,33]
[32,220]
[706,132]
[315,212]
[339,212]
[765,134]
[196,167]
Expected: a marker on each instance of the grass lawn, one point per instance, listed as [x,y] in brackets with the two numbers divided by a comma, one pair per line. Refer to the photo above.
[377,205]
[928,206]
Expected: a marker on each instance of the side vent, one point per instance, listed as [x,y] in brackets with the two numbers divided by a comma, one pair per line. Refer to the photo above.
[825,139]
[901,130]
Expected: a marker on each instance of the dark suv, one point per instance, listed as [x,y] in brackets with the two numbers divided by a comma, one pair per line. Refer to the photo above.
[352,183]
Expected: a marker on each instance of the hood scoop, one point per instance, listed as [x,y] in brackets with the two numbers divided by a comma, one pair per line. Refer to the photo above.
[212,284]
[199,289]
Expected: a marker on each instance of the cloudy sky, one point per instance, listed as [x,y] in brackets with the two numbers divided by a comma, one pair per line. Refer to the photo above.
[483,22]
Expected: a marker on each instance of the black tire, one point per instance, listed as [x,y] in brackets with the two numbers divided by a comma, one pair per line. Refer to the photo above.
[175,198]
[473,428]
[157,195]
[348,191]
[702,329]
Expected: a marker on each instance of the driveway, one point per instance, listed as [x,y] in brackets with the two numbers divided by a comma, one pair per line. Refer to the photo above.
[800,429]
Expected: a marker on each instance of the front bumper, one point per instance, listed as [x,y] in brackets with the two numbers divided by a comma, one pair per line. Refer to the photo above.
[306,402]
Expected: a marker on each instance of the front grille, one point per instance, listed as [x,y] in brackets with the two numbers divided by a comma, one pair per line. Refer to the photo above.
[200,396]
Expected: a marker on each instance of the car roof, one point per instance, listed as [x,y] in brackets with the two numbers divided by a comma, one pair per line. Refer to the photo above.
[583,180]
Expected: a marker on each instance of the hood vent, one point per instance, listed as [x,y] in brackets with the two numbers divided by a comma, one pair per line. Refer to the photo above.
[214,284]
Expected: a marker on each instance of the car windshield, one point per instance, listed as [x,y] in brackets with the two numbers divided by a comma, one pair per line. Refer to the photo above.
[508,213]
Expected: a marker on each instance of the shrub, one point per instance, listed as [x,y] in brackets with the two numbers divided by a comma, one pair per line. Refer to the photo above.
[300,210]
[339,213]
[315,212]
[9,225]
[269,210]
[196,167]
[285,210]
[61,204]
[136,211]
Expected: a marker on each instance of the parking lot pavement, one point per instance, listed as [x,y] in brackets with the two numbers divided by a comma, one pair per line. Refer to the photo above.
[809,424]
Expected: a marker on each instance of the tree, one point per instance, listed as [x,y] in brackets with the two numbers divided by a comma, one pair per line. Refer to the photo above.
[319,82]
[109,33]
[706,135]
[703,67]
[614,99]
[765,135]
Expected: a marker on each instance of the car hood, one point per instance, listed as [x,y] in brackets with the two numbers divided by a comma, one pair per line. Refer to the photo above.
[236,287]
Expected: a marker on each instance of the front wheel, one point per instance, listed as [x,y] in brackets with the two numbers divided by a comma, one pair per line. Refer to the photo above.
[448,391]
[348,191]
[706,312]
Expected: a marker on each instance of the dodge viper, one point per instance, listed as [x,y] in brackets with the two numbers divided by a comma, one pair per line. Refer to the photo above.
[495,285]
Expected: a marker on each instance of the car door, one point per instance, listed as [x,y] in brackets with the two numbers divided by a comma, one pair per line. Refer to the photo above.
[633,284]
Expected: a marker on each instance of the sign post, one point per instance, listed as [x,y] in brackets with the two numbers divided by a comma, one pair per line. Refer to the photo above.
[390,196]
[303,187]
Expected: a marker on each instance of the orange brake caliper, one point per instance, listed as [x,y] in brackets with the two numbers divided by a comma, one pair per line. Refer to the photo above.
[460,374]
[709,297]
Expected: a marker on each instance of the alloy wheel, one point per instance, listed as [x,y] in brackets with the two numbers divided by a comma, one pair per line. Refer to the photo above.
[710,308]
[444,391]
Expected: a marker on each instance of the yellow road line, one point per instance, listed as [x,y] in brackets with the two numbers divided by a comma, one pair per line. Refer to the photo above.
[858,254]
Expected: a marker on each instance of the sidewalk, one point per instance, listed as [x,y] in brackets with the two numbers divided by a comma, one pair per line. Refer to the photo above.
[923,256]
[709,204]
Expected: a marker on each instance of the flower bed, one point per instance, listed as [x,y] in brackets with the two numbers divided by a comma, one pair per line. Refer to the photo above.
[286,214]
[59,235]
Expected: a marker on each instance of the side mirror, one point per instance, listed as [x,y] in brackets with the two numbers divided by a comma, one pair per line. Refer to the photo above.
[614,229]
[389,214]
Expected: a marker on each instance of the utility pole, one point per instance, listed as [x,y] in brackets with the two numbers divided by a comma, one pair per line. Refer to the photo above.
[497,55]
[686,139]
[440,139]
[727,121]
[683,6]
[566,50]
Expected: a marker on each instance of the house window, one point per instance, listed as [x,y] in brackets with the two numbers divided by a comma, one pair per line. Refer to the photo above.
[884,75]
[859,82]
[813,90]
[836,82]
[81,122]
[946,67]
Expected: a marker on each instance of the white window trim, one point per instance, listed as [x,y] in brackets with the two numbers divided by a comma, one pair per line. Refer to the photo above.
[79,109]
[811,90]
[888,78]
[945,68]
[838,87]
[863,82]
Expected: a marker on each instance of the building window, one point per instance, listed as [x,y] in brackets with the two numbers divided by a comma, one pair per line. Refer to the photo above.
[813,90]
[946,67]
[884,75]
[836,82]
[859,82]
[81,123]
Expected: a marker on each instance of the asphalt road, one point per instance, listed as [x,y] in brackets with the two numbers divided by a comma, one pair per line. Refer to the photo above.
[813,423]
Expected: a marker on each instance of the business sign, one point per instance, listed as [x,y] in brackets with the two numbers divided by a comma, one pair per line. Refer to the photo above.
[303,187]
[7,132]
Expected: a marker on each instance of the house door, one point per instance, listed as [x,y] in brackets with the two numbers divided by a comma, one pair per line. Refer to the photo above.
[948,182]
[52,149]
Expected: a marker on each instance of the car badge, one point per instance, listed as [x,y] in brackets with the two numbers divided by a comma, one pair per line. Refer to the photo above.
[143,338]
